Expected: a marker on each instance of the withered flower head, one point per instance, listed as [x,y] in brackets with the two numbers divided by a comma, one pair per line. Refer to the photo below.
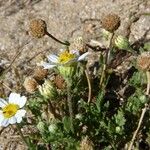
[59,82]
[40,73]
[86,144]
[111,22]
[78,44]
[38,28]
[143,61]
[30,84]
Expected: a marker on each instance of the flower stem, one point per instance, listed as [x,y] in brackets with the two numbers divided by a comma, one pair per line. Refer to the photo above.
[52,110]
[109,49]
[138,127]
[51,36]
[148,82]
[89,85]
[106,60]
[70,105]
[21,135]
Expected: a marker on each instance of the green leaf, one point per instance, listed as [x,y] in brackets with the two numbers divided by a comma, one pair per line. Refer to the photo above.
[67,124]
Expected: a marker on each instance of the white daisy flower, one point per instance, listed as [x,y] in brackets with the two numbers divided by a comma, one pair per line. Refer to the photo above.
[11,112]
[65,57]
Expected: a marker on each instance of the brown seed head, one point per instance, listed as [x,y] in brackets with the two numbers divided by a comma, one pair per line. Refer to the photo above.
[59,82]
[30,84]
[38,28]
[143,61]
[86,144]
[111,22]
[78,44]
[40,73]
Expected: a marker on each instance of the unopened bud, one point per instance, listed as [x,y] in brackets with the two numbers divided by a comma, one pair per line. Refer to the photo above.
[53,128]
[41,126]
[122,43]
[47,90]
[118,129]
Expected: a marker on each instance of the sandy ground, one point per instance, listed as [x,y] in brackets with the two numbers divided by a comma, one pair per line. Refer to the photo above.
[65,19]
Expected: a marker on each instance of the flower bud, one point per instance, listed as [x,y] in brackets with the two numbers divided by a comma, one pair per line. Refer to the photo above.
[79,116]
[86,144]
[118,129]
[143,61]
[47,90]
[30,84]
[37,28]
[41,126]
[122,43]
[53,128]
[40,73]
[111,22]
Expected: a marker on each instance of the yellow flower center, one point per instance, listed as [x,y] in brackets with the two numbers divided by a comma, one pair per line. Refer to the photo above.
[65,56]
[10,110]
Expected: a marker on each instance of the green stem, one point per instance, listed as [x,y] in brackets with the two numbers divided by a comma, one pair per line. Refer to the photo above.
[69,101]
[148,82]
[106,60]
[21,135]
[51,36]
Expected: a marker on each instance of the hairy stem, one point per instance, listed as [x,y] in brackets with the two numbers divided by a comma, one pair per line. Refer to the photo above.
[89,86]
[55,39]
[148,82]
[52,110]
[107,58]
[138,127]
[70,104]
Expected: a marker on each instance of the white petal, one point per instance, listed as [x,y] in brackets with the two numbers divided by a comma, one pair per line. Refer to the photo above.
[19,119]
[48,65]
[82,57]
[1,117]
[17,99]
[53,58]
[12,120]
[5,122]
[20,113]
[3,103]
[13,98]
[22,101]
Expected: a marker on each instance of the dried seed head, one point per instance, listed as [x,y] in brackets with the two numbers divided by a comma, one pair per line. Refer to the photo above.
[143,61]
[30,84]
[86,144]
[40,73]
[38,28]
[59,82]
[111,22]
[78,44]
